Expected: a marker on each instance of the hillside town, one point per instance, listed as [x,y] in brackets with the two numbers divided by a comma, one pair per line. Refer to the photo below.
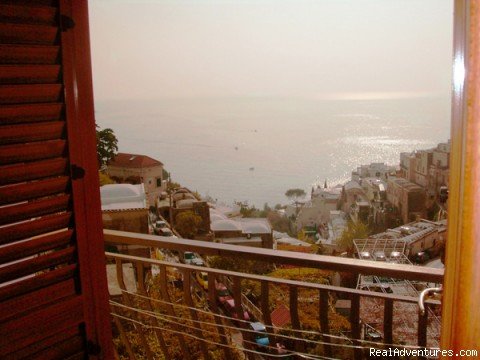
[384,213]
[391,200]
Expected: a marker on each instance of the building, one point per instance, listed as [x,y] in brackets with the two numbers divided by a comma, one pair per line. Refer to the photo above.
[376,194]
[427,168]
[351,192]
[317,210]
[375,170]
[409,239]
[124,208]
[197,207]
[243,231]
[139,169]
[440,168]
[423,161]
[408,198]
[407,166]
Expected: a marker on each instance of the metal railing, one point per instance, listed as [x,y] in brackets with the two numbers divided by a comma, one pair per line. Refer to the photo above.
[323,342]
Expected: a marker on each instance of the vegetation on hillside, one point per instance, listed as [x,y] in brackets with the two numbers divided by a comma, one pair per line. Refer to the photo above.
[354,230]
[187,224]
[239,264]
[105,179]
[182,322]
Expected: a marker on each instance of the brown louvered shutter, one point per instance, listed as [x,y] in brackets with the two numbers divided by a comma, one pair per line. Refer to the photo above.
[53,293]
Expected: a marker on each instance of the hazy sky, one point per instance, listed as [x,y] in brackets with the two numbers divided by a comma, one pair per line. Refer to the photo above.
[313,49]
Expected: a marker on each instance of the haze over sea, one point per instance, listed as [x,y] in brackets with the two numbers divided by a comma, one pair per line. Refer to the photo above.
[211,144]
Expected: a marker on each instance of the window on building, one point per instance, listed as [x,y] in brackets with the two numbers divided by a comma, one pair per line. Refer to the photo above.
[159,181]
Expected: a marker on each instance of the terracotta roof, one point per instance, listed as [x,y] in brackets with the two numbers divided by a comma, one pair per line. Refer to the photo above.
[280,316]
[134,161]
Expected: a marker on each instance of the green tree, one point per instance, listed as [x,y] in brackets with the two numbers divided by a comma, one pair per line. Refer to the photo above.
[354,230]
[294,195]
[172,186]
[187,223]
[107,146]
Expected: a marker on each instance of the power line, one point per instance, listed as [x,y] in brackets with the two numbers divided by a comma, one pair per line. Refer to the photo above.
[380,345]
[163,317]
[305,356]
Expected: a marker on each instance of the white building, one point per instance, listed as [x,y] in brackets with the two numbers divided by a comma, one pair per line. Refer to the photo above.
[123,197]
[374,170]
[139,169]
[317,210]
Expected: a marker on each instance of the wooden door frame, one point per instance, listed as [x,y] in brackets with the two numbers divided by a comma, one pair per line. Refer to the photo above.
[461,298]
[85,187]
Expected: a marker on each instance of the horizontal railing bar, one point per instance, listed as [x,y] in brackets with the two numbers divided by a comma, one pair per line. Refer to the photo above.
[363,293]
[398,271]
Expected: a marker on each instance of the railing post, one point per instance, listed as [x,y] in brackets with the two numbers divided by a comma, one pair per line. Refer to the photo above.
[422,329]
[171,310]
[126,297]
[141,290]
[124,338]
[237,298]
[293,292]
[323,317]
[187,296]
[355,324]
[388,321]
[212,300]
[265,305]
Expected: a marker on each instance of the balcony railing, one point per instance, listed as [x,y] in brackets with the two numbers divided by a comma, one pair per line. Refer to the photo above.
[182,319]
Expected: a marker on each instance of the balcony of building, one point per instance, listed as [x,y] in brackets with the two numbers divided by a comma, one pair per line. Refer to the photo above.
[160,309]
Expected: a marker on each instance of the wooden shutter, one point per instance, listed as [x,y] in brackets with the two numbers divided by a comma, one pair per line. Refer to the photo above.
[53,293]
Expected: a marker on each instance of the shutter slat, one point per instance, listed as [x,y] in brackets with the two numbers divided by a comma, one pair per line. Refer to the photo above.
[23,249]
[15,114]
[32,190]
[32,54]
[14,335]
[36,299]
[33,349]
[15,213]
[29,74]
[32,2]
[28,229]
[40,169]
[38,263]
[28,34]
[23,133]
[28,15]
[69,349]
[23,94]
[37,282]
[12,154]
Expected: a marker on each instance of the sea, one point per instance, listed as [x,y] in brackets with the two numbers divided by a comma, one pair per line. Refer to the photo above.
[253,149]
